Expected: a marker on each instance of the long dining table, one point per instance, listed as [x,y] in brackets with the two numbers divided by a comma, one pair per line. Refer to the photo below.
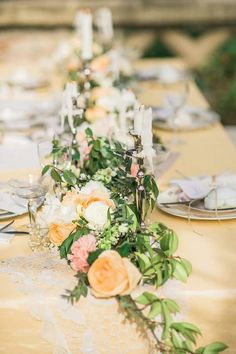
[209,296]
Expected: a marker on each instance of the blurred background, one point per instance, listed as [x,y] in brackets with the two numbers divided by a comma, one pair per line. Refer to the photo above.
[201,32]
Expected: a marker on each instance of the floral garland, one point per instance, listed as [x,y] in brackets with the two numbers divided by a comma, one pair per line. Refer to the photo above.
[97,226]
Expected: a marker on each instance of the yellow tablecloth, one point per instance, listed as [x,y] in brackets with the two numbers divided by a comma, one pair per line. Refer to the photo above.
[209,245]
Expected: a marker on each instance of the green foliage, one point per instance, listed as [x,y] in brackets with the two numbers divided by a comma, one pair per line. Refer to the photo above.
[213,348]
[151,192]
[176,337]
[94,255]
[158,49]
[74,236]
[69,177]
[81,289]
[218,80]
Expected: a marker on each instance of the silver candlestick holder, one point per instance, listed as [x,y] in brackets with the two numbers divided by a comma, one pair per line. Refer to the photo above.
[140,192]
[75,113]
[87,80]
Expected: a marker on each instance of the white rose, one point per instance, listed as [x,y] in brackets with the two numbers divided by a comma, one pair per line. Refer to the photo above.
[111,101]
[54,212]
[92,186]
[96,214]
[67,214]
[49,210]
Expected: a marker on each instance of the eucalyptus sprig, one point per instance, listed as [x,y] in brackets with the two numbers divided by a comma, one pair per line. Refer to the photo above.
[170,337]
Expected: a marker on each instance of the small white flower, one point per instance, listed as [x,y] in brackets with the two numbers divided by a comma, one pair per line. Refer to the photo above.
[54,212]
[123,228]
[92,186]
[96,214]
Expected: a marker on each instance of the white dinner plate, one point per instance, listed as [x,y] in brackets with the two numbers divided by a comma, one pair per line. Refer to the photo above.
[198,118]
[197,212]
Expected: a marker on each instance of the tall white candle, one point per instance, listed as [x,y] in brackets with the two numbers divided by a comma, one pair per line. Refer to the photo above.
[104,24]
[86,35]
[72,88]
[147,137]
[146,133]
[138,121]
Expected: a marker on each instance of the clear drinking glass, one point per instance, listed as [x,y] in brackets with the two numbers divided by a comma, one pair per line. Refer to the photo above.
[61,160]
[33,190]
[161,155]
[176,99]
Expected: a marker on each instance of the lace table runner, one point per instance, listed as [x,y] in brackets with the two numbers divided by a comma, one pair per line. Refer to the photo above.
[92,326]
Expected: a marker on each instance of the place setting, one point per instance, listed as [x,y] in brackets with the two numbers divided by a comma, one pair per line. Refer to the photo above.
[165,74]
[201,197]
[175,114]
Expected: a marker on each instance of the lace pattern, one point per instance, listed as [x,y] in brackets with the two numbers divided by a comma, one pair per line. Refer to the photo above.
[92,326]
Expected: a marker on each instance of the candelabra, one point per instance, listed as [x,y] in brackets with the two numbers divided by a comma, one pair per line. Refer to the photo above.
[140,192]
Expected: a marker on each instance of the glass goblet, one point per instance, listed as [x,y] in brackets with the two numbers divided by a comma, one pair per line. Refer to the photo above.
[176,99]
[60,157]
[33,190]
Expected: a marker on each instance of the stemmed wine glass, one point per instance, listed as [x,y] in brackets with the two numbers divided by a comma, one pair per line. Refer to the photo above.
[33,189]
[61,158]
[58,154]
[176,99]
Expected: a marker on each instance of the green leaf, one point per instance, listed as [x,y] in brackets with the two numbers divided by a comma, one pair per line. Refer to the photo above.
[89,132]
[180,272]
[172,305]
[130,213]
[187,265]
[169,243]
[146,298]
[176,339]
[55,175]
[157,227]
[94,255]
[188,345]
[155,309]
[66,245]
[215,348]
[45,169]
[69,177]
[144,261]
[182,326]
[97,145]
[81,289]
[124,249]
[166,319]
[142,299]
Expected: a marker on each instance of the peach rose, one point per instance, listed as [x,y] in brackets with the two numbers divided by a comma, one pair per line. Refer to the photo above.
[70,198]
[99,92]
[96,196]
[100,64]
[112,275]
[59,232]
[73,197]
[93,114]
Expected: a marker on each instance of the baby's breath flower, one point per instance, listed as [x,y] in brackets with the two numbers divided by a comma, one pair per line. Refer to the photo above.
[123,228]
